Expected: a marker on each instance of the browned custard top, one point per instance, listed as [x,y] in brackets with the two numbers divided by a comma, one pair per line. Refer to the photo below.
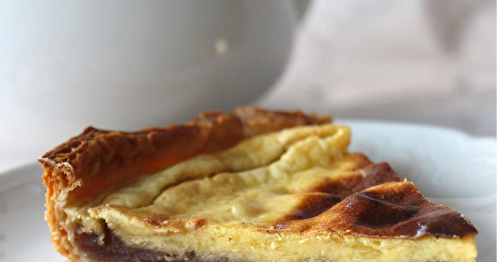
[310,185]
[395,209]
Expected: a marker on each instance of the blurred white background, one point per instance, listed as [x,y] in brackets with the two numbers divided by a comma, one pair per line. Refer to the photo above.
[129,64]
[423,61]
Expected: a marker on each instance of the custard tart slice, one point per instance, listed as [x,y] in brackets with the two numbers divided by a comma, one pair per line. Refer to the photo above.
[252,186]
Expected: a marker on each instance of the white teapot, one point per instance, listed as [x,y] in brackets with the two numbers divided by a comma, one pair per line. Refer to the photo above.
[127,65]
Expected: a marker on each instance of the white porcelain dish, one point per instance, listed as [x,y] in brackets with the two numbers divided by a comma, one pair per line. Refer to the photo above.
[448,166]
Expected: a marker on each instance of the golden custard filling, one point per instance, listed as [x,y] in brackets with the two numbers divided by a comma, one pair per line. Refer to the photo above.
[248,156]
[291,195]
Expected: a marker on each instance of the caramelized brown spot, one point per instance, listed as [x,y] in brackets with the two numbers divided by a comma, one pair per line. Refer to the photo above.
[367,175]
[390,210]
[373,202]
[332,191]
[310,206]
[340,187]
[199,223]
[394,209]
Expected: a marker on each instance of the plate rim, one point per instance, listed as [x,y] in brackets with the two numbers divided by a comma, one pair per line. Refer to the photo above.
[415,125]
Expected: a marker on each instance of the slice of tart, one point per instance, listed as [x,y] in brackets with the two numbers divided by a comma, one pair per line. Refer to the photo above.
[250,186]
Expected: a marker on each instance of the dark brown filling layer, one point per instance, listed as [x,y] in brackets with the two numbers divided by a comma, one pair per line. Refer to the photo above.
[115,250]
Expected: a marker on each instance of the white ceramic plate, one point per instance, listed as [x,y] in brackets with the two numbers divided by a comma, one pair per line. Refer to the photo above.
[449,167]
